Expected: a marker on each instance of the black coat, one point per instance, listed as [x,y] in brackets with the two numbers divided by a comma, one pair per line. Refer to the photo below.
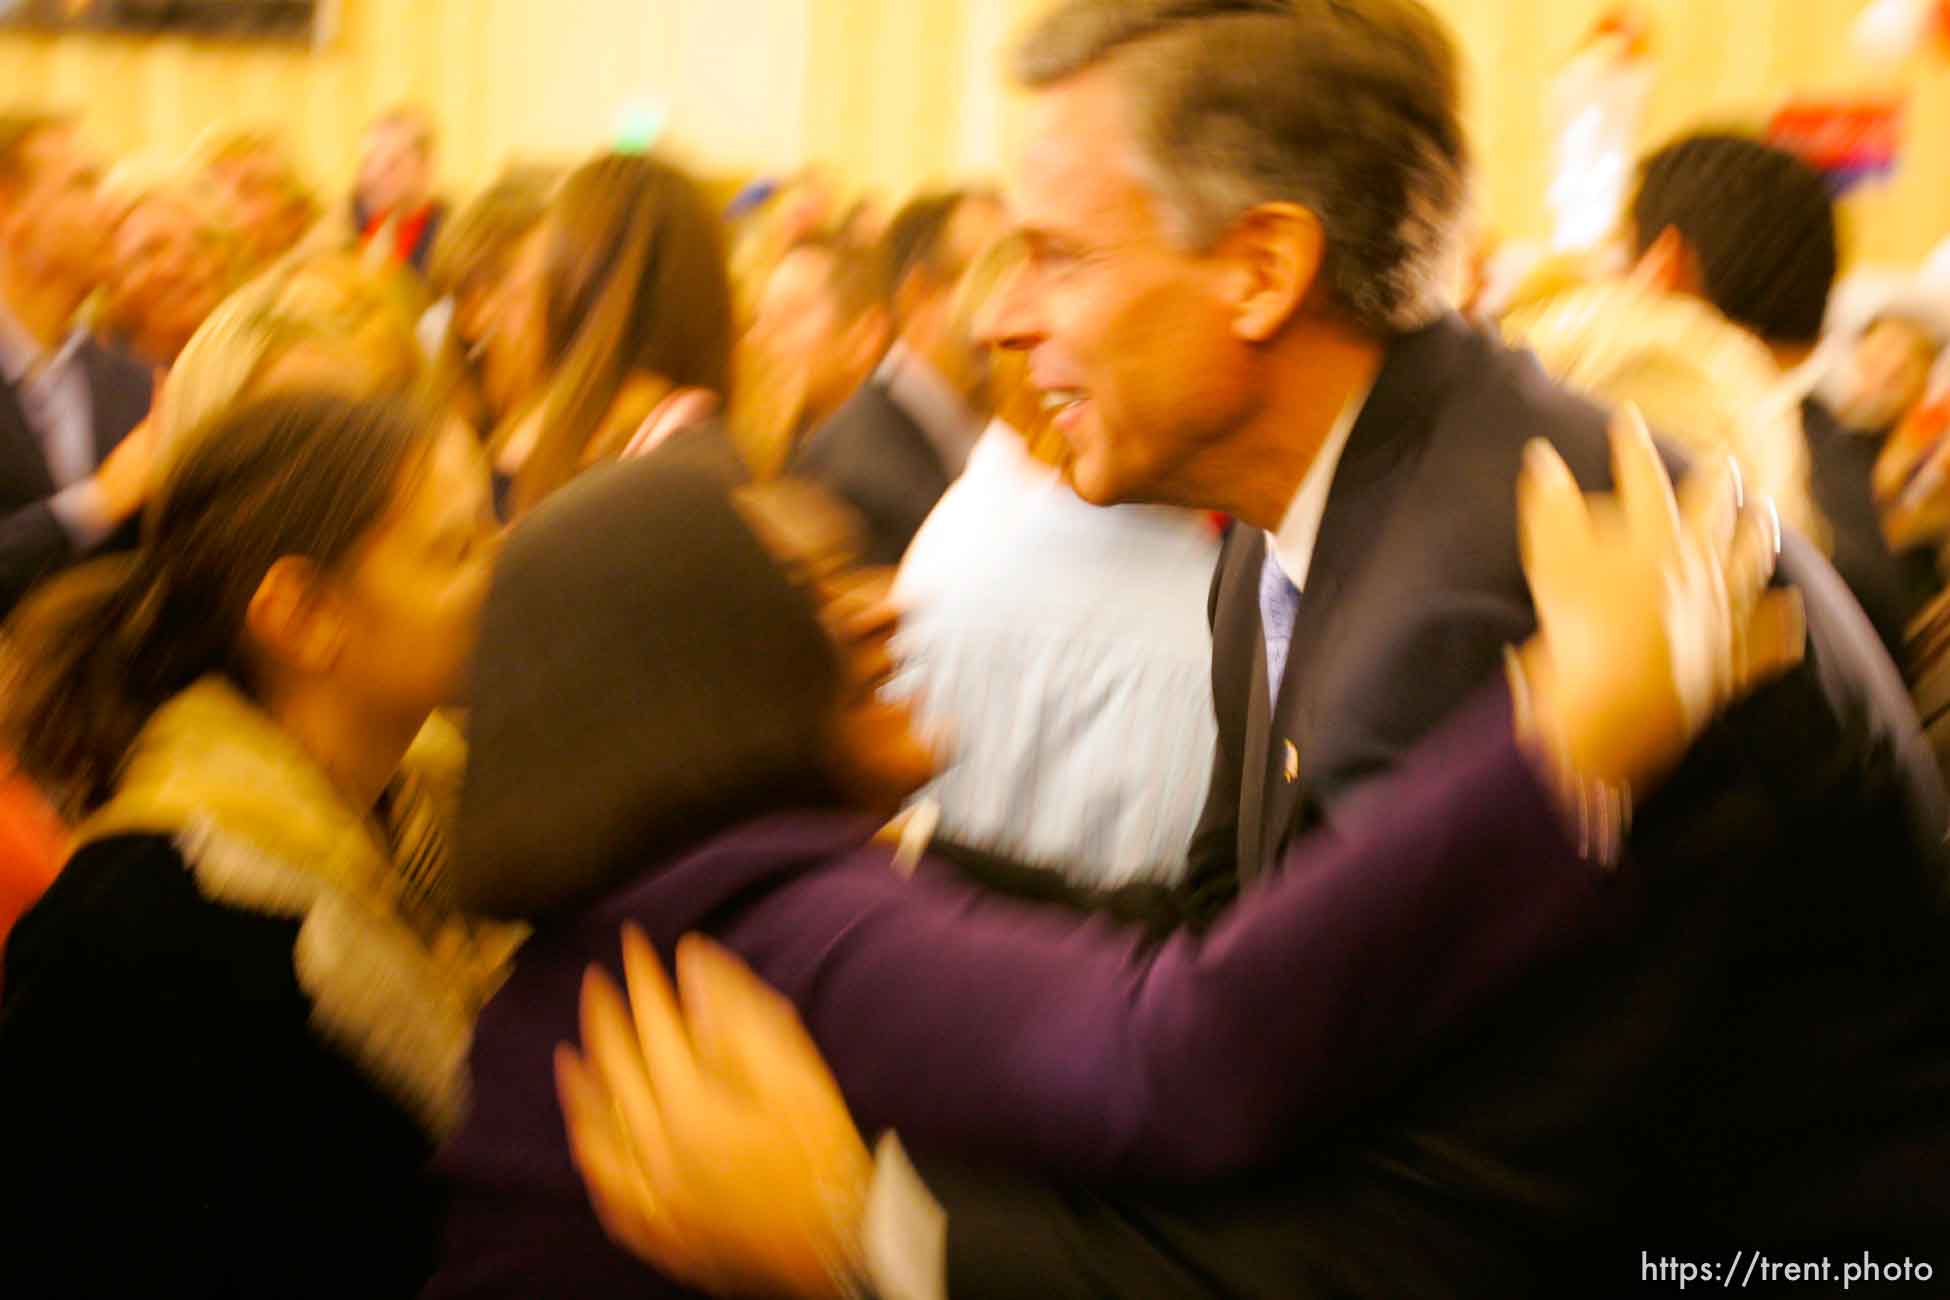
[33,543]
[1892,588]
[871,454]
[173,1124]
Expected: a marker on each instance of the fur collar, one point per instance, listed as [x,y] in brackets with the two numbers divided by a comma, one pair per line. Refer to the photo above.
[394,984]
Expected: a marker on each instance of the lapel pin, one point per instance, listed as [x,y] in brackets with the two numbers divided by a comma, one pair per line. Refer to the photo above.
[1292,763]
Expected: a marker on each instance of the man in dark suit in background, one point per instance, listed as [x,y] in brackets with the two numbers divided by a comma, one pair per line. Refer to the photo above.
[393,205]
[68,479]
[1240,215]
[892,449]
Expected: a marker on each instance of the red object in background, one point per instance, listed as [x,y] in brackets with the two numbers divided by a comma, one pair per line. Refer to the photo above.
[406,233]
[33,845]
[1627,22]
[1849,140]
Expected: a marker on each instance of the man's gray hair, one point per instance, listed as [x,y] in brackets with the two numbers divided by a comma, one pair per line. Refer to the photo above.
[1346,107]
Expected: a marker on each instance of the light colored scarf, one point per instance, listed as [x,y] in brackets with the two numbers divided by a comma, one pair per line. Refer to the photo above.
[394,982]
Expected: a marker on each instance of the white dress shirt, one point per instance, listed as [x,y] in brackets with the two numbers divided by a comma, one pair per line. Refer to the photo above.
[1065,648]
[1292,545]
[53,394]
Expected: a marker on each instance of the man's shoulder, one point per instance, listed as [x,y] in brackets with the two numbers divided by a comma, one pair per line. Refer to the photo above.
[864,418]
[1501,398]
[120,380]
[112,364]
[869,438]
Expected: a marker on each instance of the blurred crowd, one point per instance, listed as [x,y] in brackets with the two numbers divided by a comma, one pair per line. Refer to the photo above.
[406,594]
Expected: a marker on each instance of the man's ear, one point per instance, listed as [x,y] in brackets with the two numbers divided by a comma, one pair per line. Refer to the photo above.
[294,620]
[1668,265]
[1275,252]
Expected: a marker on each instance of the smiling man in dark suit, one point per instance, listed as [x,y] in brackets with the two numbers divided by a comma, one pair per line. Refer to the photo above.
[1240,215]
[68,480]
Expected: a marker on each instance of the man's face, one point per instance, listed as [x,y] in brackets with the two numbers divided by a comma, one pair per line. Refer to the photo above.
[256,189]
[57,224]
[167,276]
[796,323]
[393,174]
[795,315]
[1130,337]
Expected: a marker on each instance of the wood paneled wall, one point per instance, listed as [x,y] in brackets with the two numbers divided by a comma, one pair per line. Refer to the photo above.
[893,93]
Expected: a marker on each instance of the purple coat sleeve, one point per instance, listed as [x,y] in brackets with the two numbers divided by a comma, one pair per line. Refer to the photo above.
[992,1029]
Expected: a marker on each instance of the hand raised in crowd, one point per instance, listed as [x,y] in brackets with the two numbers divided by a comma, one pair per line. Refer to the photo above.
[712,1137]
[714,1140]
[1650,619]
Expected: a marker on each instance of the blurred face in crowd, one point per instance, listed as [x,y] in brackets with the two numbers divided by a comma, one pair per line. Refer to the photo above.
[167,274]
[261,202]
[977,223]
[1892,367]
[513,350]
[395,171]
[55,221]
[798,327]
[481,307]
[359,342]
[409,599]
[796,314]
[1130,337]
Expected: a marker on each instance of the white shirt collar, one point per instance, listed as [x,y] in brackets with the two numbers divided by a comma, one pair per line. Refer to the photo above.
[1293,543]
[22,355]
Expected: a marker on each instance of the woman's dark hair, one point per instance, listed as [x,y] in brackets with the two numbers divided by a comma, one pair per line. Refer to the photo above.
[634,280]
[98,650]
[651,671]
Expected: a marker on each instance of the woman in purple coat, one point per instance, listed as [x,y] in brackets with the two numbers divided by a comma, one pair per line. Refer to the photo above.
[676,726]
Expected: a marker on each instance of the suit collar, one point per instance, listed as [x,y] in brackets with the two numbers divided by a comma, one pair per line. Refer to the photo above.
[1383,445]
[1293,542]
[927,399]
[1418,368]
[21,353]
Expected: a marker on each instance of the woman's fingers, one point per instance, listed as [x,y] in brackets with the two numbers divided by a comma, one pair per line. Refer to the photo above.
[610,1041]
[1643,487]
[1749,557]
[746,1031]
[618,1192]
[653,1004]
[1554,528]
[1710,502]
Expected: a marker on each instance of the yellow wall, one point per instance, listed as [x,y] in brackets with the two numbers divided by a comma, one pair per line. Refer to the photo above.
[893,93]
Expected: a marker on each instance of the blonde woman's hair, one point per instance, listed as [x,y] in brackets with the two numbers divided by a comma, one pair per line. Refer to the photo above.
[334,305]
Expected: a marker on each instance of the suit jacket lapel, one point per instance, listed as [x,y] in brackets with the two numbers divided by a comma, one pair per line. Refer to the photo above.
[24,475]
[1354,520]
[1382,449]
[118,396]
[1252,790]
